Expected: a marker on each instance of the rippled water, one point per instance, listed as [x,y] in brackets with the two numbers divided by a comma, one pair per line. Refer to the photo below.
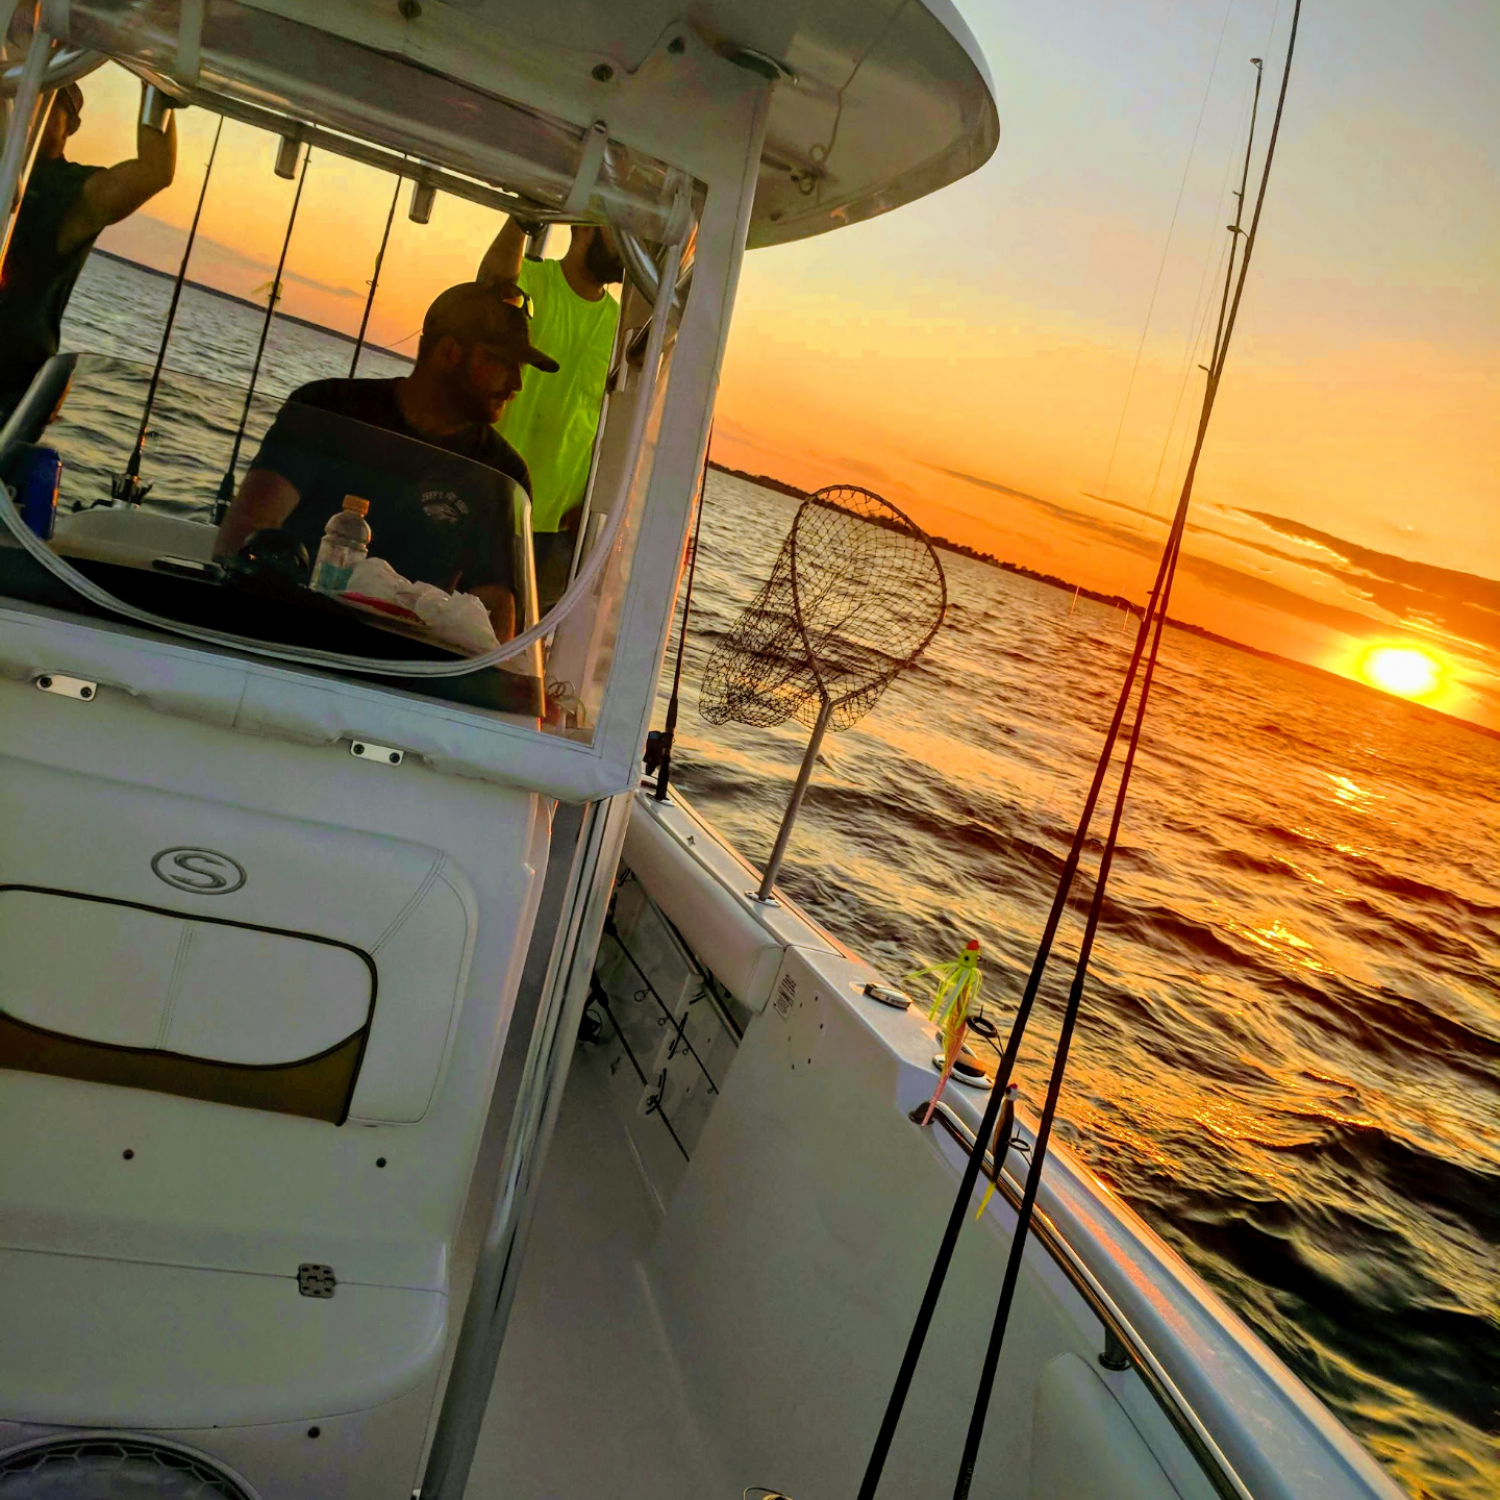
[1289,1061]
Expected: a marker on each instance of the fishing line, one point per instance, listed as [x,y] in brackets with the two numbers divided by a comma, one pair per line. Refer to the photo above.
[1197,325]
[1159,604]
[226,484]
[1187,167]
[127,486]
[1153,615]
[1196,331]
[1202,303]
[1187,429]
[1235,231]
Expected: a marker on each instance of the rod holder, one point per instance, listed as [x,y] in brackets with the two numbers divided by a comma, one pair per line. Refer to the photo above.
[536,241]
[423,196]
[287,152]
[156,108]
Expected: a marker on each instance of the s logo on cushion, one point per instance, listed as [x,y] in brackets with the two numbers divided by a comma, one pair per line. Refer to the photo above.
[200,872]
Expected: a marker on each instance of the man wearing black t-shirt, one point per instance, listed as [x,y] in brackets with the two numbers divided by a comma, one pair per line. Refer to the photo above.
[433,519]
[66,206]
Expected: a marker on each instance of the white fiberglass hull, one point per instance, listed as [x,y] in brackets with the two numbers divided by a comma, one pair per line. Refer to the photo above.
[793,1209]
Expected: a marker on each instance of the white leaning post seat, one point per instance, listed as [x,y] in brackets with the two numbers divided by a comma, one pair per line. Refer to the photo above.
[247,1015]
[326,987]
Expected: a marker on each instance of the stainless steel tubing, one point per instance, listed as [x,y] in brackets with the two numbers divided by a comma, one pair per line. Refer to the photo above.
[67,65]
[1119,1333]
[641,267]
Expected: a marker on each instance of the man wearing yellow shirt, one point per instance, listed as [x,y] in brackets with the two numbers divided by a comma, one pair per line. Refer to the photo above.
[553,426]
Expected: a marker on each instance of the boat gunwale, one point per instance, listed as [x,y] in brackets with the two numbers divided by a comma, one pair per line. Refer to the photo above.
[1212,1461]
[1206,1336]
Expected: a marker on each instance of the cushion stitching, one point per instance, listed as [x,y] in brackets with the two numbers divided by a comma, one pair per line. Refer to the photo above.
[184,943]
[455,1002]
[418,896]
[436,875]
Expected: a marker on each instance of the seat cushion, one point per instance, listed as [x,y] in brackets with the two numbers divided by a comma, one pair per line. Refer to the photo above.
[191,947]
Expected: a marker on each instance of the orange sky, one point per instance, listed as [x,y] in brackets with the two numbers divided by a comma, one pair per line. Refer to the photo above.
[970,356]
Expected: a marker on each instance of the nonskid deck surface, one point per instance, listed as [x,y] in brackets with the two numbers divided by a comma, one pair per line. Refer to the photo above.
[587,1399]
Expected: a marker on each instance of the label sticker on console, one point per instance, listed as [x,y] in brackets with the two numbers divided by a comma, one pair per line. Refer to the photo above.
[786,994]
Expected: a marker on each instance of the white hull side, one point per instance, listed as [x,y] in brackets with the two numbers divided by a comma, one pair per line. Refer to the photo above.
[792,1249]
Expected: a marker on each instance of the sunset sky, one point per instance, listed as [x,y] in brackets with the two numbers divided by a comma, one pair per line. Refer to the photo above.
[970,356]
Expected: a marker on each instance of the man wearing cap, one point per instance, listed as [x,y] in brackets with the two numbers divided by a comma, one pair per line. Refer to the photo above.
[554,422]
[431,521]
[66,206]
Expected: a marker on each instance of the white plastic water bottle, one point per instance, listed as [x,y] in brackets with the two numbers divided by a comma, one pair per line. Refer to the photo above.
[346,541]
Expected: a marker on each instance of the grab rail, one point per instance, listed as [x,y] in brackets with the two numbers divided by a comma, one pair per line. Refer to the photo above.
[66,65]
[28,419]
[1120,1335]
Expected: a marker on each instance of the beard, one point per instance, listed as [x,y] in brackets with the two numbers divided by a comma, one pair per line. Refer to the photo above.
[603,264]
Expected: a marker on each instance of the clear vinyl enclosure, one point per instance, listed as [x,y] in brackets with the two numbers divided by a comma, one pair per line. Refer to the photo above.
[157,560]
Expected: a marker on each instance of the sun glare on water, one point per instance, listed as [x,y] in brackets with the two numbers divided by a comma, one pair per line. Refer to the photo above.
[1404,670]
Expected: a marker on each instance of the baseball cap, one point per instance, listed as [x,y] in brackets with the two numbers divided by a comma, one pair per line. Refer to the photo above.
[72,96]
[478,313]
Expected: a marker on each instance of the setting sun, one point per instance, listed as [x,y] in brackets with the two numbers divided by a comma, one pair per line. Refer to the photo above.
[1404,670]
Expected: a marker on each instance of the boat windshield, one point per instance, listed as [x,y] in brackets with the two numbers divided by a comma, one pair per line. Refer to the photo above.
[445,571]
[208,522]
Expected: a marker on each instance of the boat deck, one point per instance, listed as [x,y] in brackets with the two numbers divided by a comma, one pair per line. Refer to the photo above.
[587,1398]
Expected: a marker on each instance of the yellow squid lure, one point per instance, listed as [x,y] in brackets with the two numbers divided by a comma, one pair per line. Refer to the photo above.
[957,990]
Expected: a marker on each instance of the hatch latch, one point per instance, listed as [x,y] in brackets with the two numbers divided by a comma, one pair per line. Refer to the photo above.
[68,687]
[315,1281]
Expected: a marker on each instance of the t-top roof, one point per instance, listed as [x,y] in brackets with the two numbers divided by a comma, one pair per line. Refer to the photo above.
[875,102]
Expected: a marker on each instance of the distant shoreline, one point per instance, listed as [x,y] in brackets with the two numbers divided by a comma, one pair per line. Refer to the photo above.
[282,317]
[1118,601]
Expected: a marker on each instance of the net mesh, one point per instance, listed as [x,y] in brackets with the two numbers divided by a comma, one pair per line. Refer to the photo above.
[856,594]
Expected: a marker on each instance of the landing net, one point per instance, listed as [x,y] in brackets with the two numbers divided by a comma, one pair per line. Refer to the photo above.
[856,594]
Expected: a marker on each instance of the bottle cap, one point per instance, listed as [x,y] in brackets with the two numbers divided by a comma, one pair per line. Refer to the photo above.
[358,506]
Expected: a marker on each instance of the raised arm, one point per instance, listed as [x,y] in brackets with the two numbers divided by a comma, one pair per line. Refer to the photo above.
[265,500]
[117,191]
[501,265]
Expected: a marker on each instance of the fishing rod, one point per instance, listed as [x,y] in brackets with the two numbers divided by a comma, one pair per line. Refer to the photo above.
[1158,604]
[661,751]
[226,484]
[127,487]
[364,322]
[1239,212]
[1152,619]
